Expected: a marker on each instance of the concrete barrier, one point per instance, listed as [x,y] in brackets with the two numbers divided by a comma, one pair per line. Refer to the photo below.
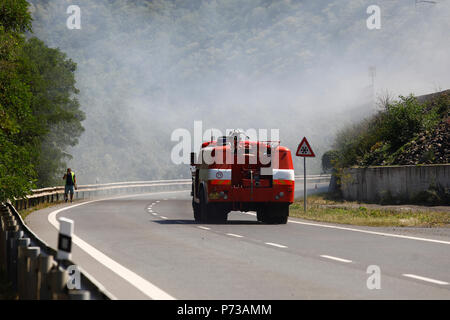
[396,184]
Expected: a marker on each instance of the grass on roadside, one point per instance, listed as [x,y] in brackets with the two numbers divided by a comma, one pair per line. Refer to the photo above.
[320,208]
[25,212]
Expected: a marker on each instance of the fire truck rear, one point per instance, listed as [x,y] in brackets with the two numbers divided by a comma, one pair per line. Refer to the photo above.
[234,174]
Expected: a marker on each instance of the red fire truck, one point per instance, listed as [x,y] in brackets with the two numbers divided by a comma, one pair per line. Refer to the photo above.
[233,173]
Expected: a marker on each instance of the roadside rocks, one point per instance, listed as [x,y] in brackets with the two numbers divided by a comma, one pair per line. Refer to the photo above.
[428,148]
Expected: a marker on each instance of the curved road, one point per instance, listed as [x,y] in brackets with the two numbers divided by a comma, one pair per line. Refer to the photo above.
[149,247]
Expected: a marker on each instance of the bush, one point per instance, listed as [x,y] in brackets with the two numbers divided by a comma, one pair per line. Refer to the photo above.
[328,160]
[379,140]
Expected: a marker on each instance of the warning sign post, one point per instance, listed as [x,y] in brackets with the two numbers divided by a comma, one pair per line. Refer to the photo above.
[304,150]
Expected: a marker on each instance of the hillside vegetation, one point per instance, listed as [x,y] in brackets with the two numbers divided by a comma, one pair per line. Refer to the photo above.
[148,68]
[39,114]
[408,131]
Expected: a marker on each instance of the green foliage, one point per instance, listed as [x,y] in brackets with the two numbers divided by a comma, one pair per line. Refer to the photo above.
[39,116]
[328,160]
[51,78]
[17,125]
[14,16]
[380,139]
[403,120]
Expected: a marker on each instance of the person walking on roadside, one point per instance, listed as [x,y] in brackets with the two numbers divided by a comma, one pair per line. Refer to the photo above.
[71,183]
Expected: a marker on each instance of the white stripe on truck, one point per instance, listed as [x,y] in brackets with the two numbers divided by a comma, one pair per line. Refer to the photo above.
[219,174]
[225,174]
[283,174]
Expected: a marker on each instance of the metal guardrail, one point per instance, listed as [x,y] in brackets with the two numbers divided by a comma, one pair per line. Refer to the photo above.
[55,194]
[31,264]
[323,177]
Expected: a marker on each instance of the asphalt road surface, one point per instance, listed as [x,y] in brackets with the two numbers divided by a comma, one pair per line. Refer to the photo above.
[149,247]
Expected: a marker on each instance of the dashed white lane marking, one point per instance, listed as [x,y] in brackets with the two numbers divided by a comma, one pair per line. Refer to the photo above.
[165,199]
[363,231]
[336,258]
[157,201]
[204,228]
[162,217]
[425,279]
[154,213]
[275,245]
[234,235]
[134,279]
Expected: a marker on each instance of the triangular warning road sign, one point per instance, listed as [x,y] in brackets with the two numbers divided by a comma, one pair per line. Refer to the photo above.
[304,149]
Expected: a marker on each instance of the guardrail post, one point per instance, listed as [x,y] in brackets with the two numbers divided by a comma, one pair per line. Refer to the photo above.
[79,295]
[58,281]
[21,265]
[11,232]
[46,263]
[31,256]
[4,212]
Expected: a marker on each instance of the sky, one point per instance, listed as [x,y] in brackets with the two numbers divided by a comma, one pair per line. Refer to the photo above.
[147,68]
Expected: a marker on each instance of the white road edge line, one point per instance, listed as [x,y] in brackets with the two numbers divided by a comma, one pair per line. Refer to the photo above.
[425,279]
[336,258]
[364,231]
[275,245]
[204,228]
[134,279]
[234,235]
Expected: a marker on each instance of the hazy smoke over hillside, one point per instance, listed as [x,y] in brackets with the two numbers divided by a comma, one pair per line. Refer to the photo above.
[146,68]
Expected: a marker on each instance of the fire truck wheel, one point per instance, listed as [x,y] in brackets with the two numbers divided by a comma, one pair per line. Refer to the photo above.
[218,213]
[281,213]
[203,207]
[260,214]
[196,208]
[276,214]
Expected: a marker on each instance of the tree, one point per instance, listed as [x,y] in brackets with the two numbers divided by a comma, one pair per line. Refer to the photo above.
[50,76]
[39,114]
[16,142]
[328,160]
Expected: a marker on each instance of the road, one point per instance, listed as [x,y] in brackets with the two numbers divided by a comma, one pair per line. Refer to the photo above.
[149,247]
